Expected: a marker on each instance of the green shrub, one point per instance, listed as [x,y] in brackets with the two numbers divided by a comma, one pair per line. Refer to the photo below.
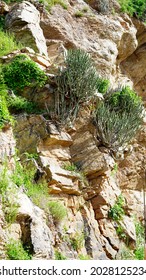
[22,72]
[116,212]
[134,8]
[118,118]
[76,84]
[15,251]
[7,42]
[102,85]
[57,210]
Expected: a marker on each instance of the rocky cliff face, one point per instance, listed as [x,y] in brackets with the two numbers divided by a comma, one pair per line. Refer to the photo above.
[117,45]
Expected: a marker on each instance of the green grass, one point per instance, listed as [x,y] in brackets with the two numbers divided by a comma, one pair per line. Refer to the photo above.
[7,43]
[50,3]
[38,192]
[57,210]
[15,251]
[59,256]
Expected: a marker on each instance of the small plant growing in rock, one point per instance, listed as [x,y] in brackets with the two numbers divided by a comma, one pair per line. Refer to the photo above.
[79,14]
[77,241]
[70,167]
[22,72]
[59,255]
[15,251]
[57,210]
[117,212]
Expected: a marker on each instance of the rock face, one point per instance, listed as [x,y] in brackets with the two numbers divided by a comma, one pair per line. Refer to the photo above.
[23,20]
[79,172]
[98,34]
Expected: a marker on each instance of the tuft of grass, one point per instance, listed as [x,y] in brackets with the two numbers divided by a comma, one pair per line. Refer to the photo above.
[15,251]
[79,14]
[7,43]
[59,256]
[70,167]
[77,241]
[57,210]
[50,3]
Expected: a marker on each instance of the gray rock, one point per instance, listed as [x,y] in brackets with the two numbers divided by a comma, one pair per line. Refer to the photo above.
[23,20]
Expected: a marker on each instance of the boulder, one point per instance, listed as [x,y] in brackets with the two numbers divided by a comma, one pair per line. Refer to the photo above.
[24,21]
[34,228]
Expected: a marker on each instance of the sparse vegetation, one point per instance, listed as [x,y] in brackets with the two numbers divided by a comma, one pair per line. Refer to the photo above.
[38,192]
[117,211]
[22,72]
[118,118]
[79,14]
[70,167]
[77,241]
[15,251]
[57,210]
[7,42]
[50,3]
[59,256]
[84,257]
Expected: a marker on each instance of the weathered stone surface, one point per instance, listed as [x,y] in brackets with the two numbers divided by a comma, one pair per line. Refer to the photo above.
[100,36]
[29,130]
[33,226]
[129,229]
[108,230]
[23,20]
[7,146]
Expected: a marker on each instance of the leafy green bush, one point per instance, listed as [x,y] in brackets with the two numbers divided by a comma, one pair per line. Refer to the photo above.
[22,72]
[118,118]
[7,43]
[134,8]
[76,84]
[116,212]
[57,210]
[15,251]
